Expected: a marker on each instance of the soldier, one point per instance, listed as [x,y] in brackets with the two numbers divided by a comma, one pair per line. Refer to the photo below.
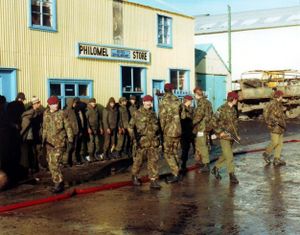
[32,121]
[110,119]
[187,136]
[72,118]
[94,129]
[225,124]
[143,129]
[57,133]
[202,117]
[169,115]
[133,106]
[123,122]
[15,109]
[275,119]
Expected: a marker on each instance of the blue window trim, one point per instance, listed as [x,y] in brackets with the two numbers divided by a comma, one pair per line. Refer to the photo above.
[64,81]
[40,27]
[143,80]
[14,80]
[163,45]
[187,82]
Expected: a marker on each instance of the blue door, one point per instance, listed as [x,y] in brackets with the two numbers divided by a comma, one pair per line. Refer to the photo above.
[157,87]
[214,87]
[8,84]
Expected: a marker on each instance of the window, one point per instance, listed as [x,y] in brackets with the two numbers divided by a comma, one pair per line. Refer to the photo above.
[164,31]
[133,81]
[64,89]
[43,15]
[181,81]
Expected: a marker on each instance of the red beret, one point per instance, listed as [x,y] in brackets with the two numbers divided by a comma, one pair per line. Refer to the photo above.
[197,89]
[233,95]
[52,100]
[278,94]
[169,86]
[188,97]
[148,98]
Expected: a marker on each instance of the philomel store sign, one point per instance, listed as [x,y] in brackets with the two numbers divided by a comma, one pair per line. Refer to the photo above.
[104,52]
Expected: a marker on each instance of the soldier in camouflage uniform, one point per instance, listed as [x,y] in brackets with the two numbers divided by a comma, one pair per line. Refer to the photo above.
[57,134]
[202,117]
[94,125]
[225,121]
[122,137]
[143,129]
[275,119]
[187,137]
[169,115]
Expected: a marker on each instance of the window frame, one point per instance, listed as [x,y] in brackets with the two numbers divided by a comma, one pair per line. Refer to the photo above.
[53,13]
[164,44]
[186,83]
[76,82]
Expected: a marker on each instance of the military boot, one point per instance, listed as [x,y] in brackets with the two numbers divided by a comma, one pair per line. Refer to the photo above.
[233,179]
[172,179]
[267,158]
[92,158]
[279,162]
[204,169]
[216,173]
[154,184]
[58,188]
[136,181]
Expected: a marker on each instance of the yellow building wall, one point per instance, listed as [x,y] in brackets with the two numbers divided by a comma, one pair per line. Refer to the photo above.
[39,55]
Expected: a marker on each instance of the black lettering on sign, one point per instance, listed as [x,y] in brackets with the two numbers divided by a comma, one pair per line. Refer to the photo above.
[140,55]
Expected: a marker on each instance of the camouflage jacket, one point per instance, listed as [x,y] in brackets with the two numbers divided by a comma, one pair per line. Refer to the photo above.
[225,118]
[143,128]
[93,118]
[275,118]
[202,116]
[57,130]
[110,118]
[123,117]
[169,115]
[187,121]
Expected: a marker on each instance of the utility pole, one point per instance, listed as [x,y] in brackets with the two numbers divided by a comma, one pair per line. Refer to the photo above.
[229,46]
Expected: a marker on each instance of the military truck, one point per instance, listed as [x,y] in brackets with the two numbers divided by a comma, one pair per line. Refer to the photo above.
[255,89]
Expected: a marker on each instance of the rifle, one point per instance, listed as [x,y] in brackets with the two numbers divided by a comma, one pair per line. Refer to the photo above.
[232,136]
[275,123]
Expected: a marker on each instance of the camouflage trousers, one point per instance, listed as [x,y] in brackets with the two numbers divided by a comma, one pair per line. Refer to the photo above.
[276,145]
[152,156]
[171,148]
[93,144]
[227,156]
[201,148]
[54,158]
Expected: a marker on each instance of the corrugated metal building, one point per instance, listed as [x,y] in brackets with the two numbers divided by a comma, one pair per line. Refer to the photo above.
[212,74]
[99,48]
[261,40]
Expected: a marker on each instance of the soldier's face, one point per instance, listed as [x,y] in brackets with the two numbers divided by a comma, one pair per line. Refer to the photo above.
[112,104]
[188,103]
[36,105]
[132,101]
[147,104]
[93,104]
[234,102]
[53,107]
[280,98]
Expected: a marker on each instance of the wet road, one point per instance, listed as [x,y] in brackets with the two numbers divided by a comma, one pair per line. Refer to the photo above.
[265,202]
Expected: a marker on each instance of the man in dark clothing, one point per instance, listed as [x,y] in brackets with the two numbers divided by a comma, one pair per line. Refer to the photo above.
[15,110]
[110,120]
[187,136]
[70,114]
[94,129]
[32,121]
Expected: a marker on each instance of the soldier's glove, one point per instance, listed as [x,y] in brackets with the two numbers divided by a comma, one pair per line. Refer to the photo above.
[69,147]
[101,131]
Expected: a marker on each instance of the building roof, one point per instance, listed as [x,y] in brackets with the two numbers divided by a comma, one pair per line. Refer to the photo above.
[201,51]
[250,20]
[159,5]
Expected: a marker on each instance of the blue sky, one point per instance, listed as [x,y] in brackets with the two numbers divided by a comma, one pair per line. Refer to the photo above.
[195,7]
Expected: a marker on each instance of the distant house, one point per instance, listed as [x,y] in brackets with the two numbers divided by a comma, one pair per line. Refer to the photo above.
[211,74]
